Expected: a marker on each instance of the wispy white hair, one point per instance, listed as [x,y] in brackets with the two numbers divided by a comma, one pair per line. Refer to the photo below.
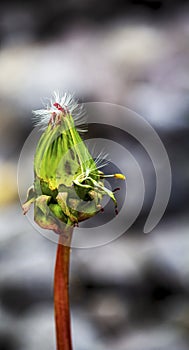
[67,101]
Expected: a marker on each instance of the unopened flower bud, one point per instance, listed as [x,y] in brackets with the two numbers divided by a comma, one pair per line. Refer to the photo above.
[68,186]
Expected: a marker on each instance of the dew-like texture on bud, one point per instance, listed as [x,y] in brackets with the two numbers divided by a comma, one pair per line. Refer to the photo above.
[68,186]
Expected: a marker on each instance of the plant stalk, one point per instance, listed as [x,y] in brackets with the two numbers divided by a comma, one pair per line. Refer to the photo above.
[61,291]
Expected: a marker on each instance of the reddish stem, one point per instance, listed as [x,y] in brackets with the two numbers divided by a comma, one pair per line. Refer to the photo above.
[61,292]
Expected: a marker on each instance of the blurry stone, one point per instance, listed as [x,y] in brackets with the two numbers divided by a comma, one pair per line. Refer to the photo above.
[125,258]
[8,183]
[177,313]
[14,127]
[17,25]
[109,312]
[10,214]
[116,261]
[9,336]
[171,245]
[136,47]
[163,337]
[9,341]
[84,333]
[37,329]
[134,62]
[163,102]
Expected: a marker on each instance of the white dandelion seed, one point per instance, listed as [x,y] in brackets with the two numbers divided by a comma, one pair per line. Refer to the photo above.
[68,103]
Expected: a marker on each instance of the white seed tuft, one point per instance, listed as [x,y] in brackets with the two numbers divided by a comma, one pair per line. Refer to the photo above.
[42,116]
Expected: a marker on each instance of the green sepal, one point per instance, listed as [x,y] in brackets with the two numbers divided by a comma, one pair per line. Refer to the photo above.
[44,214]
[30,198]
[62,200]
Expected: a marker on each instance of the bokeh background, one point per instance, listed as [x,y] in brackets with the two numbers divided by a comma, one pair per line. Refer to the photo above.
[132,294]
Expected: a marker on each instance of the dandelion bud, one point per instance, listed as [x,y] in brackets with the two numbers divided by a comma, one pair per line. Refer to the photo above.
[68,185]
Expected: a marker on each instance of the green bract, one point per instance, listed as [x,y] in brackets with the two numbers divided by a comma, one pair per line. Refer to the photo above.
[68,186]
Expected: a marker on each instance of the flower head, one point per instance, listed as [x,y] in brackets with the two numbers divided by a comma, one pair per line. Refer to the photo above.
[68,183]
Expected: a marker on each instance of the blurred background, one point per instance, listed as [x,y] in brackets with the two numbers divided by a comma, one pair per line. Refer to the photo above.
[132,294]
